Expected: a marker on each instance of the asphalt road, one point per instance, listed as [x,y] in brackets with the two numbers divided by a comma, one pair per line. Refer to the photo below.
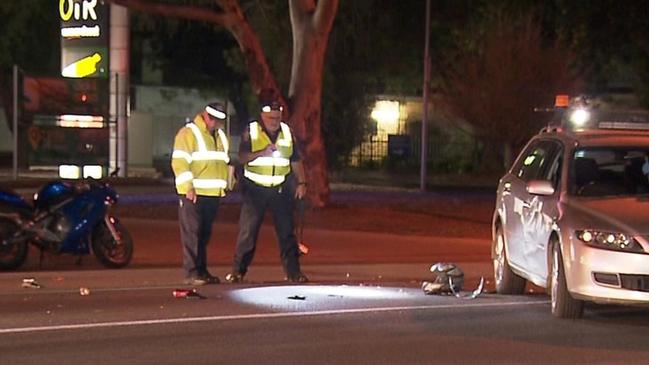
[309,324]
[351,313]
[363,306]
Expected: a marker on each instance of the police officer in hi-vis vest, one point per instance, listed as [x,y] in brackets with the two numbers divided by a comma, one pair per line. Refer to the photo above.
[200,164]
[273,176]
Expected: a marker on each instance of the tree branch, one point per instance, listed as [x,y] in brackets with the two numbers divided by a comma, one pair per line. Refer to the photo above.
[232,18]
[189,12]
[300,10]
[324,15]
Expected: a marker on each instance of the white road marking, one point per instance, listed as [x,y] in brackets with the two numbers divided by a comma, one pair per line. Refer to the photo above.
[259,316]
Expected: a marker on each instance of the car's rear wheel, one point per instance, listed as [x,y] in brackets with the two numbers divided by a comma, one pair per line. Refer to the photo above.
[507,281]
[563,304]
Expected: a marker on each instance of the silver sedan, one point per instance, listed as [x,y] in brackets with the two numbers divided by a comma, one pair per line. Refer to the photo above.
[572,215]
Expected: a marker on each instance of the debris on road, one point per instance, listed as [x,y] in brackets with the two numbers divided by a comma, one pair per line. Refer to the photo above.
[187,294]
[297,297]
[30,283]
[84,291]
[448,278]
[474,294]
[304,249]
[335,296]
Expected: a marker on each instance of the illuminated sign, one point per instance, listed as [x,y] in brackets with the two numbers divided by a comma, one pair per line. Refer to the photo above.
[67,8]
[80,32]
[84,38]
[61,96]
[83,67]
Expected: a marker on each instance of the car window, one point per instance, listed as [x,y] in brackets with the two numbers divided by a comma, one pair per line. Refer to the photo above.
[612,171]
[537,161]
[554,171]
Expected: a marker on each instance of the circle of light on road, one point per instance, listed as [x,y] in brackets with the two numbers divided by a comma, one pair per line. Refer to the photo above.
[278,296]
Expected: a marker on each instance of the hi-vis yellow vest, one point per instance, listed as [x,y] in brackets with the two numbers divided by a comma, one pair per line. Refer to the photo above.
[269,170]
[199,161]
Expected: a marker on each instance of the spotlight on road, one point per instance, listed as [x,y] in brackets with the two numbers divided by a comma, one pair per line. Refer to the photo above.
[279,296]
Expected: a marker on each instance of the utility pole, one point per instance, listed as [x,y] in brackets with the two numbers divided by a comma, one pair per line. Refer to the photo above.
[15,124]
[424,122]
[119,89]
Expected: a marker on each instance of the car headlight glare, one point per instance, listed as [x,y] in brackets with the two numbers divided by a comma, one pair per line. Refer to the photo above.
[609,240]
[579,117]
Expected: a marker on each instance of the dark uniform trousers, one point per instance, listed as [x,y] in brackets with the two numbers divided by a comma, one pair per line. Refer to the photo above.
[195,230]
[256,199]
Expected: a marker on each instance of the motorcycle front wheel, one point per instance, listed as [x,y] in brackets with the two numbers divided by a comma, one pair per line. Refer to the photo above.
[111,252]
[12,254]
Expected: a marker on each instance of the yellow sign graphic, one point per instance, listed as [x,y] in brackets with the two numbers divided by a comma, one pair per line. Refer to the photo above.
[83,67]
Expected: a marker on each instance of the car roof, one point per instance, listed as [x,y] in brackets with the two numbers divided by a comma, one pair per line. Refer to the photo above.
[598,137]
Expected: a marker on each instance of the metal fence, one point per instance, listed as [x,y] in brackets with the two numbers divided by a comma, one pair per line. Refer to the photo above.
[454,154]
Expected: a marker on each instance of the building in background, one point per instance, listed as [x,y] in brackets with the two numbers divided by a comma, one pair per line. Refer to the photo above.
[394,138]
[156,114]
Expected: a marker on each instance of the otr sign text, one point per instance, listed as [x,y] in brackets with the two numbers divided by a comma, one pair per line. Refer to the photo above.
[84,10]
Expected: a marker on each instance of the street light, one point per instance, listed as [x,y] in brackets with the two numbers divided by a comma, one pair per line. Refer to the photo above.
[386,113]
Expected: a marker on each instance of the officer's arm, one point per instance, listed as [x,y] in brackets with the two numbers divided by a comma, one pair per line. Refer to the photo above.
[296,163]
[181,159]
[298,168]
[245,150]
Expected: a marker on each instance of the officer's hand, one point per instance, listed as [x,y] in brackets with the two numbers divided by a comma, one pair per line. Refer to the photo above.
[191,195]
[300,191]
[232,178]
[268,151]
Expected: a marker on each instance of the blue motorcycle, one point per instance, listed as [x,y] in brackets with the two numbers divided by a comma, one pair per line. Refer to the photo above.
[65,217]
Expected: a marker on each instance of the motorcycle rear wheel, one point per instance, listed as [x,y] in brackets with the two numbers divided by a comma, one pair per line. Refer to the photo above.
[110,252]
[12,255]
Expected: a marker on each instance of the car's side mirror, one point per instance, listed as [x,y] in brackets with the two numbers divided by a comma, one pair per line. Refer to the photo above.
[540,187]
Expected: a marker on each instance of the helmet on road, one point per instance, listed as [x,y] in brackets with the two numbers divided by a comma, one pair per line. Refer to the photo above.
[448,279]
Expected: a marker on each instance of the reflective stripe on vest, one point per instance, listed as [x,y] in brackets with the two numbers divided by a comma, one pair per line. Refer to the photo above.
[205,163]
[254,130]
[266,180]
[184,177]
[224,142]
[270,161]
[182,154]
[210,184]
[203,154]
[269,170]
[286,133]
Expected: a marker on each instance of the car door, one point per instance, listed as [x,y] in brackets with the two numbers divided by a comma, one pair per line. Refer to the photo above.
[541,213]
[520,207]
[512,186]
